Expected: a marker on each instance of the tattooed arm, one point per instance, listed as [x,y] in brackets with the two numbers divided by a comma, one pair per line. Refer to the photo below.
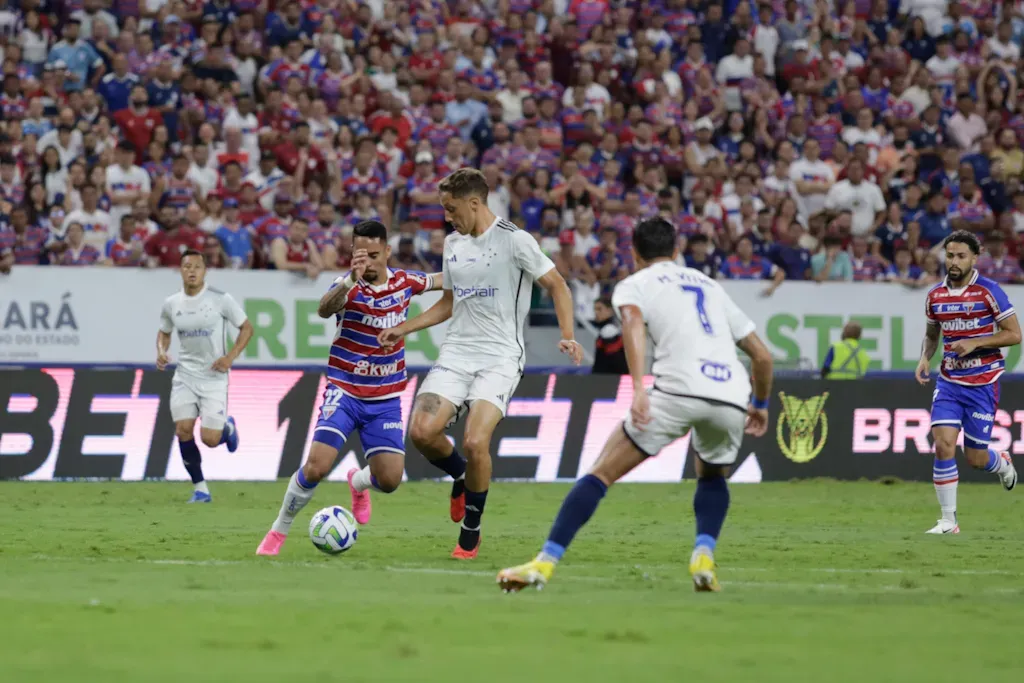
[929,346]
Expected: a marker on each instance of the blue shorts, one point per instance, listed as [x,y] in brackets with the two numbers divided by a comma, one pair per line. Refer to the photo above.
[971,408]
[379,422]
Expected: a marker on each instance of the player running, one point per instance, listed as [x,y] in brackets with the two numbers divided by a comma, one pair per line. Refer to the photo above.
[700,385]
[200,384]
[975,319]
[364,381]
[490,266]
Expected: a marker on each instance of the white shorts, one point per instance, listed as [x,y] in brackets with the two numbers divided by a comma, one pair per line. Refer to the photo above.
[205,399]
[717,427]
[494,384]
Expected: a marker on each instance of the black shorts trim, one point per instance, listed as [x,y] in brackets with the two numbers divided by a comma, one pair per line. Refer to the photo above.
[635,444]
[712,401]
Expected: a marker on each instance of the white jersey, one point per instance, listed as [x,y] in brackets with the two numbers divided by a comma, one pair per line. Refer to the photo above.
[694,326]
[202,333]
[491,278]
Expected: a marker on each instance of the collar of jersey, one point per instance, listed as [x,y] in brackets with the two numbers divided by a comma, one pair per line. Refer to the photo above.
[380,288]
[974,278]
[197,294]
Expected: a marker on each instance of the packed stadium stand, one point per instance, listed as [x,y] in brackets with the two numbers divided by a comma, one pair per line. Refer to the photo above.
[791,140]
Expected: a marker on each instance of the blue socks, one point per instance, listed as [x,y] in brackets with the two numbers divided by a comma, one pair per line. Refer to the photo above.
[454,465]
[710,503]
[300,479]
[577,509]
[193,461]
[994,461]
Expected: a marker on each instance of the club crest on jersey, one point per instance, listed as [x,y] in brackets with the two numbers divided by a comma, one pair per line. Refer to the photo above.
[802,417]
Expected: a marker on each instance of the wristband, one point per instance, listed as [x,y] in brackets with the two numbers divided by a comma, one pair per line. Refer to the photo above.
[347,281]
[759,403]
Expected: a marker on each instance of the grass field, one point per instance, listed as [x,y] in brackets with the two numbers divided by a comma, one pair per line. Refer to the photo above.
[822,581]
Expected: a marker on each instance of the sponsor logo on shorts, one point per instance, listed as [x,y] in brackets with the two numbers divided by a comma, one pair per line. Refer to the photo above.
[384,322]
[961,325]
[391,425]
[799,420]
[987,417]
[365,368]
[480,292]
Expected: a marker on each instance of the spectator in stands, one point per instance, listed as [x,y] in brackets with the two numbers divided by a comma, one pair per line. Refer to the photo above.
[831,263]
[700,256]
[793,259]
[78,252]
[126,249]
[862,198]
[296,251]
[996,265]
[903,270]
[609,352]
[746,265]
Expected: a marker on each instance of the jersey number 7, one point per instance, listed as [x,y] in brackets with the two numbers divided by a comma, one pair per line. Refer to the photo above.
[701,313]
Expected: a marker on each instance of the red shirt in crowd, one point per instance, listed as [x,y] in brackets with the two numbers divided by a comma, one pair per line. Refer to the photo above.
[168,246]
[137,128]
[288,159]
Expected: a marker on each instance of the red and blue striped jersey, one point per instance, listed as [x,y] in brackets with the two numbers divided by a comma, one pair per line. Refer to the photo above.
[357,364]
[967,313]
[757,268]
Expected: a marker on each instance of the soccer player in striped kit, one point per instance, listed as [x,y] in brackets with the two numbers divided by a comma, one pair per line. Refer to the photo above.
[975,319]
[364,381]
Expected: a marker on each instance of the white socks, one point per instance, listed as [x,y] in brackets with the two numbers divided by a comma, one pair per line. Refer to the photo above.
[295,499]
[946,493]
[361,480]
[202,487]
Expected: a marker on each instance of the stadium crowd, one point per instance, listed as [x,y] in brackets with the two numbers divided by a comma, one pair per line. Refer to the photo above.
[786,140]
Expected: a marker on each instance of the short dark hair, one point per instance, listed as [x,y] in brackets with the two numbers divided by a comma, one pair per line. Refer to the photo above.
[192,252]
[125,146]
[373,230]
[465,182]
[654,238]
[964,237]
[605,301]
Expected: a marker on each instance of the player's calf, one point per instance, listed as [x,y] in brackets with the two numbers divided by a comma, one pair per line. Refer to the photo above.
[192,459]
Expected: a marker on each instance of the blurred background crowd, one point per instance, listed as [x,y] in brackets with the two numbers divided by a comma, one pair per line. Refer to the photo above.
[786,139]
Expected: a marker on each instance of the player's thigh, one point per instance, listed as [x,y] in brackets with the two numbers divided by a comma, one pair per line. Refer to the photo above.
[184,400]
[979,414]
[717,435]
[380,429]
[213,405]
[337,420]
[947,410]
[619,457]
[668,422]
[495,385]
[441,396]
[483,418]
[185,429]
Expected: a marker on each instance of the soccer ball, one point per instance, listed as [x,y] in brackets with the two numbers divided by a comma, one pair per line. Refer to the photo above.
[333,530]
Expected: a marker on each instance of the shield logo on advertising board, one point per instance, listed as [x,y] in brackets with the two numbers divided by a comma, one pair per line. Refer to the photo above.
[798,422]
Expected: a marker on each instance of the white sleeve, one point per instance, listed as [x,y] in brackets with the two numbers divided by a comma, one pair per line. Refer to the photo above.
[446,275]
[879,199]
[231,311]
[527,255]
[627,293]
[144,182]
[739,324]
[832,198]
[166,323]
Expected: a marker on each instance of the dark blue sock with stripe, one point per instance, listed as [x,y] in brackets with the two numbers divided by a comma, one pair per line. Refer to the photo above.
[455,467]
[710,503]
[192,459]
[577,509]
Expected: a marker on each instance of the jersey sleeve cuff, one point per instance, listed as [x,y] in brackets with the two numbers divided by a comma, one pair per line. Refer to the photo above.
[1006,314]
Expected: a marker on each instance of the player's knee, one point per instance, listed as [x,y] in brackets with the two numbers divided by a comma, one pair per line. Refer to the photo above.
[476,447]
[388,481]
[422,432]
[184,430]
[945,447]
[211,440]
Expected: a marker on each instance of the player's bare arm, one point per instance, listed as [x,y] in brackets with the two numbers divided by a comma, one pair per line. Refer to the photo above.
[634,338]
[434,315]
[932,337]
[334,300]
[224,363]
[761,365]
[555,284]
[435,282]
[1007,335]
[163,343]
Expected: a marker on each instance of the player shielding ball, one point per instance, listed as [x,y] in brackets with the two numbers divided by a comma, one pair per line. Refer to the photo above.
[364,381]
[490,266]
[975,319]
[200,385]
[701,386]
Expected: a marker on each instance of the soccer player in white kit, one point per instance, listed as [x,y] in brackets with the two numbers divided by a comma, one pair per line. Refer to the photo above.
[490,266]
[200,384]
[700,385]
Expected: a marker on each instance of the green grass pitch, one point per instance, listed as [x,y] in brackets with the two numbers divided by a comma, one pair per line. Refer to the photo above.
[823,581]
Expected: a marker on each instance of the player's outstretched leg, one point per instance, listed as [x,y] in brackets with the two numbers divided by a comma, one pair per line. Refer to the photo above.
[991,460]
[190,456]
[383,473]
[483,417]
[300,491]
[431,415]
[710,505]
[618,458]
[945,476]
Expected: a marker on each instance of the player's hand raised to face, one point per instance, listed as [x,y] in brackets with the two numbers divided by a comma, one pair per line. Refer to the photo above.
[222,364]
[640,410]
[757,421]
[360,260]
[571,348]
